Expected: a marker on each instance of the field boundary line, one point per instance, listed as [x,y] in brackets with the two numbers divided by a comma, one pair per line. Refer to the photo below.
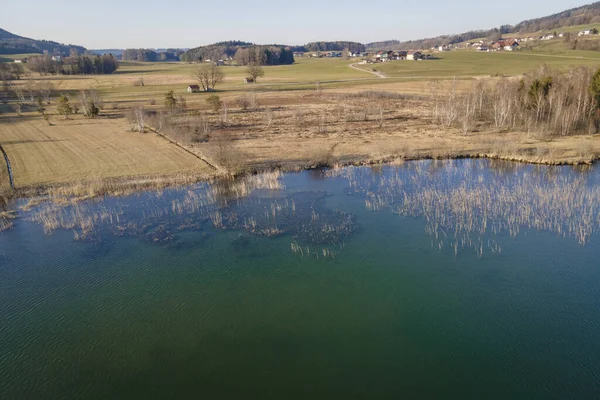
[198,156]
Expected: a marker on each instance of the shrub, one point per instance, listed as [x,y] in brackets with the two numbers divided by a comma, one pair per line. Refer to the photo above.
[64,106]
[214,102]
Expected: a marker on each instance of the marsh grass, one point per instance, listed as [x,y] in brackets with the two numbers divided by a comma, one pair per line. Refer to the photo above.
[463,209]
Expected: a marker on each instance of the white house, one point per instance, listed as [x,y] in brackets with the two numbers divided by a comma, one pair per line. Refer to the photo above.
[193,89]
[511,46]
[413,55]
[585,33]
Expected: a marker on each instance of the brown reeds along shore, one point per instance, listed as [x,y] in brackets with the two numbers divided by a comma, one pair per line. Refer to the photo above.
[463,208]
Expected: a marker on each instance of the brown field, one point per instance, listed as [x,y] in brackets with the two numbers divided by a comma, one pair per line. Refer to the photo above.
[81,149]
[332,129]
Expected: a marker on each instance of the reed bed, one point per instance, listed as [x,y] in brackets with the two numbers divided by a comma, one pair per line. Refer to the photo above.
[305,251]
[469,206]
[6,220]
[225,205]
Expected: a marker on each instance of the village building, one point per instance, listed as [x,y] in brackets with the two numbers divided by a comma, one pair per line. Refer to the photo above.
[588,32]
[414,55]
[511,45]
[193,89]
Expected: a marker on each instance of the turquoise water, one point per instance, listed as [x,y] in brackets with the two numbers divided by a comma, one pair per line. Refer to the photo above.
[455,279]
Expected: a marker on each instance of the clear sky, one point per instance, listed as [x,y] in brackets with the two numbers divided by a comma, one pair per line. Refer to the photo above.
[177,23]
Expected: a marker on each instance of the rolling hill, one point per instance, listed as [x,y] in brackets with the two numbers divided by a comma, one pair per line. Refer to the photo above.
[587,14]
[15,44]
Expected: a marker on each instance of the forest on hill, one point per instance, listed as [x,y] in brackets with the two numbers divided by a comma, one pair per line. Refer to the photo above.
[576,16]
[15,44]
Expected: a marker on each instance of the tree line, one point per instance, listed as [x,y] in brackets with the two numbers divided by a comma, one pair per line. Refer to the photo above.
[242,52]
[245,53]
[354,47]
[150,55]
[264,55]
[545,102]
[74,65]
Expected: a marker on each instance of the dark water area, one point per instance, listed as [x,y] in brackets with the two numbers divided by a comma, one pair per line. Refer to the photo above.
[461,279]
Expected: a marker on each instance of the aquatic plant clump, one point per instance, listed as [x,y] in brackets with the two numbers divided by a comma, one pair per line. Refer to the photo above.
[248,204]
[467,205]
[302,215]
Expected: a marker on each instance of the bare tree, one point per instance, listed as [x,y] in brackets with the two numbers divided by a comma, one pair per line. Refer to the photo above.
[140,114]
[346,54]
[255,71]
[268,117]
[136,119]
[20,95]
[30,89]
[224,114]
[226,154]
[5,76]
[181,103]
[89,103]
[450,106]
[209,76]
[46,89]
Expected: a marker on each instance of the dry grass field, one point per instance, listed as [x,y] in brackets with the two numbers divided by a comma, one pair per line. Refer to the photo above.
[342,128]
[82,149]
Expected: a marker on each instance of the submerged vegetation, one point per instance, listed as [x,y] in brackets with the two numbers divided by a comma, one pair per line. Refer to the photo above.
[244,204]
[459,205]
[462,208]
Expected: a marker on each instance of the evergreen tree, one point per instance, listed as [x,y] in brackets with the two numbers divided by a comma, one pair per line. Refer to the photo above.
[64,106]
[170,100]
[595,87]
[92,109]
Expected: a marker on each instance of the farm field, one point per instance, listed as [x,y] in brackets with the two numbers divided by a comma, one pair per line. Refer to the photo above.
[466,64]
[80,149]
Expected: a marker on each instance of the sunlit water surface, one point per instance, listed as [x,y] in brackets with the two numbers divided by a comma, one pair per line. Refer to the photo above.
[455,279]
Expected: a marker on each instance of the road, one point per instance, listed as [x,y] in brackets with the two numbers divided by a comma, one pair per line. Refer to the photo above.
[370,70]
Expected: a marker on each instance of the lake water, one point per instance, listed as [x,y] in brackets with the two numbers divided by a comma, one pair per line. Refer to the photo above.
[433,279]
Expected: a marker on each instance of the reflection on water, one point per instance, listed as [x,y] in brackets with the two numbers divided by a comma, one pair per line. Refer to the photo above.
[469,204]
[256,204]
[466,204]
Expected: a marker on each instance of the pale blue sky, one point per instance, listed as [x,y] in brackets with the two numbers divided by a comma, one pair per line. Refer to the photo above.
[177,23]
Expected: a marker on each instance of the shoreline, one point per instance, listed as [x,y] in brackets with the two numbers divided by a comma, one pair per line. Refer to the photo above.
[81,190]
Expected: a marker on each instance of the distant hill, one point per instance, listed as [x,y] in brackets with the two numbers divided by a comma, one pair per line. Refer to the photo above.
[243,52]
[274,53]
[15,44]
[576,16]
